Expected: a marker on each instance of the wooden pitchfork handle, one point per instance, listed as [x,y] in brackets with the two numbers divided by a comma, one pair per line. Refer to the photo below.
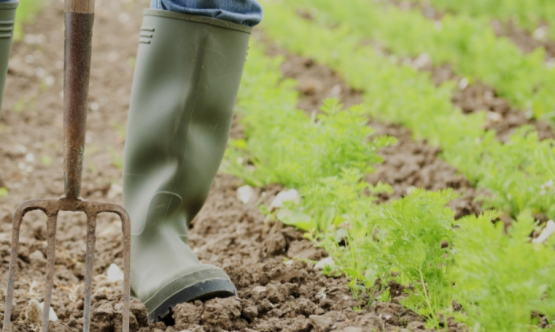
[79,18]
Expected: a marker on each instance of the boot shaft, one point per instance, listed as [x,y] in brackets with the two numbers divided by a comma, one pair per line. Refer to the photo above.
[7,19]
[187,75]
[186,80]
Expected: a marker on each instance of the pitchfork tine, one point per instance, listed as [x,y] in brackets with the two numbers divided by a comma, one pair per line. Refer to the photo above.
[89,262]
[126,230]
[17,218]
[20,212]
[51,256]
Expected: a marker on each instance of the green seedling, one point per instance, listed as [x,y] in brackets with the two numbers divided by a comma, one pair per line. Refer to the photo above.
[131,62]
[401,94]
[117,158]
[92,167]
[26,13]
[25,103]
[120,130]
[46,160]
[385,296]
[501,280]
[19,105]
[468,45]
[528,15]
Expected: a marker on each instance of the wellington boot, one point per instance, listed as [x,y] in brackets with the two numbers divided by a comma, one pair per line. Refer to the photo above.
[7,18]
[187,75]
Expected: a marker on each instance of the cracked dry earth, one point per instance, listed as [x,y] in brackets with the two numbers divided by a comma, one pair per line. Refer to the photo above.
[276,292]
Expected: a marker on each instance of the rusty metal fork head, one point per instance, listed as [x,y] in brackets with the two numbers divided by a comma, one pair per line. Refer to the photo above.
[79,19]
[51,207]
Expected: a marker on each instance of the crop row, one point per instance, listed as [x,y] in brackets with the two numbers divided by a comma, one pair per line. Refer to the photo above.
[469,46]
[529,14]
[517,173]
[326,157]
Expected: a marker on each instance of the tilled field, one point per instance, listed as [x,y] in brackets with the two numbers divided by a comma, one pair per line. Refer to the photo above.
[276,292]
[523,39]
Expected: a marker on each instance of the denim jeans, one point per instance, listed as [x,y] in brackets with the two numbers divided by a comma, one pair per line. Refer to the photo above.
[246,12]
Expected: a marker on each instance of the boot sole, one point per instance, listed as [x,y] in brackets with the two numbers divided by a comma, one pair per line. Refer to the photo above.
[202,291]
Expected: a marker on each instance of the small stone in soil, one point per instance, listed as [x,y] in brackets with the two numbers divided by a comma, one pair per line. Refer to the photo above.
[245,193]
[114,273]
[285,196]
[328,261]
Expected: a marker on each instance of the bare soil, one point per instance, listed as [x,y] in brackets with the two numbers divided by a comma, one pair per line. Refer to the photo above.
[277,291]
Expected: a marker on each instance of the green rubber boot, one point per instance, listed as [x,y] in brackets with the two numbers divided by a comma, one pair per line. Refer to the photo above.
[187,75]
[7,19]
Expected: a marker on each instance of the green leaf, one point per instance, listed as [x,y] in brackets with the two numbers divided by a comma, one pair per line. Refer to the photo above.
[295,218]
[240,144]
[341,234]
[353,274]
[370,276]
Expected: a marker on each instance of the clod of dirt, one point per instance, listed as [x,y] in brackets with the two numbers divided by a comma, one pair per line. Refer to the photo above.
[305,250]
[274,244]
[187,314]
[276,293]
[321,323]
[216,314]
[249,311]
[33,312]
[101,316]
[37,259]
[224,313]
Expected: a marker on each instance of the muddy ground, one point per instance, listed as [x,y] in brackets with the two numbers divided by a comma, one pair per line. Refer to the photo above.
[276,292]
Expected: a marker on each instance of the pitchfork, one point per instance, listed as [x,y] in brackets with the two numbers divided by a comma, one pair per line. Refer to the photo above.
[79,17]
